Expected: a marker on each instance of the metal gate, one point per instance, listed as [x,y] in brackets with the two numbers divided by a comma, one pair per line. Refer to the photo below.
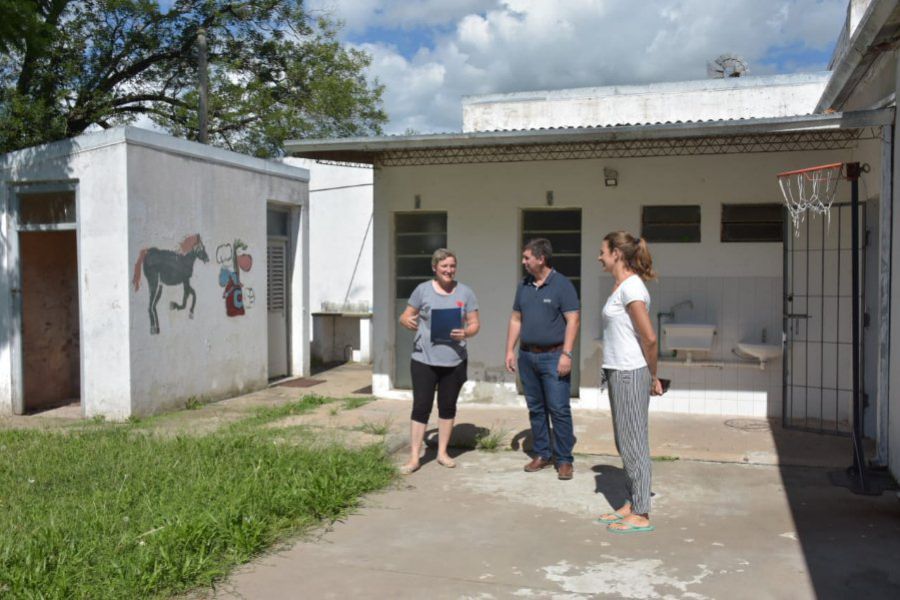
[818,321]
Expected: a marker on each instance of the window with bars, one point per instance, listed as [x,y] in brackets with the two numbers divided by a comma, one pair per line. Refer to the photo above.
[752,222]
[671,223]
[416,236]
[563,229]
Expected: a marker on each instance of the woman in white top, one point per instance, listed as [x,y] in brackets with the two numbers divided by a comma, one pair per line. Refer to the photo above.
[629,367]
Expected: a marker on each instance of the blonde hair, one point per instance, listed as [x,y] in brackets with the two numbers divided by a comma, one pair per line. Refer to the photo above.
[634,251]
[441,254]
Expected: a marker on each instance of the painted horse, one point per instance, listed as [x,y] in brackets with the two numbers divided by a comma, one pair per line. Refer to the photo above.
[165,267]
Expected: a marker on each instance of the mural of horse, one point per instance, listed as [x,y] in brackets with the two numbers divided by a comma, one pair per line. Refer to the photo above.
[165,267]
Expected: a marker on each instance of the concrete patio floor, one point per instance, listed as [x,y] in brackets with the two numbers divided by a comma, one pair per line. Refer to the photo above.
[746,511]
[488,530]
[743,509]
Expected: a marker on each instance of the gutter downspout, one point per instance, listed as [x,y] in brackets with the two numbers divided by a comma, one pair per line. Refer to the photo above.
[883,369]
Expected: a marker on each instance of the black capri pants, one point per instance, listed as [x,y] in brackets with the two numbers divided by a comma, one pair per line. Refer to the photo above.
[447,380]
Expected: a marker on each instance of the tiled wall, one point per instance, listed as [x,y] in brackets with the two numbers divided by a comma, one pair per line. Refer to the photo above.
[741,308]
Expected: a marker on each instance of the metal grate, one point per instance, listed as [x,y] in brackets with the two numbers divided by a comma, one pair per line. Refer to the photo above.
[277,280]
[818,394]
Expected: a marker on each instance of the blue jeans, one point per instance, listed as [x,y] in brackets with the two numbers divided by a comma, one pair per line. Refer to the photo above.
[547,395]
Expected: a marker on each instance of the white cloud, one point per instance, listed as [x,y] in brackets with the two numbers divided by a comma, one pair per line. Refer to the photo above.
[516,45]
[360,15]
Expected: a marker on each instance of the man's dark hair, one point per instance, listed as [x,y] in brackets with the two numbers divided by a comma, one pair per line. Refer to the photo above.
[540,248]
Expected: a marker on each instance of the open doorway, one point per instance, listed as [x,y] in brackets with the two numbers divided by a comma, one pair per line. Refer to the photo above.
[51,372]
[45,299]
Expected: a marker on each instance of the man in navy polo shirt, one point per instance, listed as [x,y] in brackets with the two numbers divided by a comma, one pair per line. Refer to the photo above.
[545,321]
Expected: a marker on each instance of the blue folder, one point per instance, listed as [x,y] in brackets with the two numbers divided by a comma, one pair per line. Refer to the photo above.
[443,320]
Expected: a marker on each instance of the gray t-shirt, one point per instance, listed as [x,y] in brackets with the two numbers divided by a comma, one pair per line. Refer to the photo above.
[440,313]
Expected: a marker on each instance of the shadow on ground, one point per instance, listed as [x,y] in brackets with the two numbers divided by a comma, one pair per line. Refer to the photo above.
[843,535]
[463,439]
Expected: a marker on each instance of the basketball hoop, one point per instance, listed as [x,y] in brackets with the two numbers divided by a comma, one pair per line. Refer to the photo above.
[810,190]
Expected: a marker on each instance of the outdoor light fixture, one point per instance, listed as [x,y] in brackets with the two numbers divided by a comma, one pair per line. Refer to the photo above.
[610,177]
[550,198]
[418,201]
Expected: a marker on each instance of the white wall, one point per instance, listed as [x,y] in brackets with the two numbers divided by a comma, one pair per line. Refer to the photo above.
[211,355]
[484,204]
[96,165]
[732,98]
[340,199]
[137,189]
[340,206]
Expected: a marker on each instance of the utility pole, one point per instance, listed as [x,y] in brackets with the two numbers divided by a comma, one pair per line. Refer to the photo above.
[202,135]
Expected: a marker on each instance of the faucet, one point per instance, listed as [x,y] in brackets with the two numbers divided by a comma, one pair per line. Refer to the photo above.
[670,314]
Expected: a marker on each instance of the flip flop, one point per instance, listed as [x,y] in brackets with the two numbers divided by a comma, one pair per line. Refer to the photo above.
[616,517]
[450,464]
[629,528]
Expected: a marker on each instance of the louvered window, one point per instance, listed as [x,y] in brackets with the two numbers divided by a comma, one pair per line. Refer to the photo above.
[277,284]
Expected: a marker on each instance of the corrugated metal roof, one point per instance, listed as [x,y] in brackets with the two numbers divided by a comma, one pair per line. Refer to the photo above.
[366,149]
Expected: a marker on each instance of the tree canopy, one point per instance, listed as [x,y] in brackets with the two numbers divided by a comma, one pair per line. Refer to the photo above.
[276,72]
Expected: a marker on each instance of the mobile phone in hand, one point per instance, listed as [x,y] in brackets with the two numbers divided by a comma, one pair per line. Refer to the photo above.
[665,384]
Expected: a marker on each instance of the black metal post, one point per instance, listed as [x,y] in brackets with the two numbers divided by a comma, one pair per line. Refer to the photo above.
[859,457]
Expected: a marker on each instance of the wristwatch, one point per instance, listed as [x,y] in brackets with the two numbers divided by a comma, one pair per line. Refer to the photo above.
[567,353]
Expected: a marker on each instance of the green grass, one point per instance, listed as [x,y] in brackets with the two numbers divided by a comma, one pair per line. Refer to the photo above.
[113,512]
[356,402]
[491,439]
[382,427]
[268,414]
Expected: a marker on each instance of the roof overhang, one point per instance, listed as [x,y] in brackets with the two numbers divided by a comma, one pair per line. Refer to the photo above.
[810,132]
[878,31]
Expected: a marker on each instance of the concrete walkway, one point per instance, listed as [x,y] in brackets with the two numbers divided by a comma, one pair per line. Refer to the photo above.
[743,509]
[488,530]
[745,512]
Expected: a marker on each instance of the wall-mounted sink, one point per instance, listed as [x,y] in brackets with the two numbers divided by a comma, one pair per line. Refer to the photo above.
[689,337]
[761,352]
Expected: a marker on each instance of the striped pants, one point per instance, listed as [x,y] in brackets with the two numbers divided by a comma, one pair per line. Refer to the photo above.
[629,400]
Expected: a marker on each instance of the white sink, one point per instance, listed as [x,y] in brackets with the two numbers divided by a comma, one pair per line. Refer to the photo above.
[689,337]
[761,352]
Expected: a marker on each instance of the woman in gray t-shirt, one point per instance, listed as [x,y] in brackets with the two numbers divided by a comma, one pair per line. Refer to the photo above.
[443,313]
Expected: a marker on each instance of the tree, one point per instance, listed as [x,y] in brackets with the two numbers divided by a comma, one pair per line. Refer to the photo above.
[275,72]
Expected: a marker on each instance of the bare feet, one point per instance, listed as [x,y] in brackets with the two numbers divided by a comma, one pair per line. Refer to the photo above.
[409,468]
[446,461]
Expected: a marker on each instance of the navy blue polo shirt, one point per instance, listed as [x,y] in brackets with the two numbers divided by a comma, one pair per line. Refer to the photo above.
[543,309]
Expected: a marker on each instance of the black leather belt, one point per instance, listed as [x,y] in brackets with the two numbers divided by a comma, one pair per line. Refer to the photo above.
[539,349]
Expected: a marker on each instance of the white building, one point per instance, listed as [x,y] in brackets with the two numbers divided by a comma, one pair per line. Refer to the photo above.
[144,272]
[708,99]
[340,261]
[700,185]
[864,75]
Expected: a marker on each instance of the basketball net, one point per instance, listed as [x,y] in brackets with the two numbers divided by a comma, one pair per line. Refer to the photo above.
[810,190]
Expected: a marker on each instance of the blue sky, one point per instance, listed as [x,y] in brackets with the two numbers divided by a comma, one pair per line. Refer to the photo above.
[430,53]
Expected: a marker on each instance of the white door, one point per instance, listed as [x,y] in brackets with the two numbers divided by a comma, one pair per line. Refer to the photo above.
[278,303]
